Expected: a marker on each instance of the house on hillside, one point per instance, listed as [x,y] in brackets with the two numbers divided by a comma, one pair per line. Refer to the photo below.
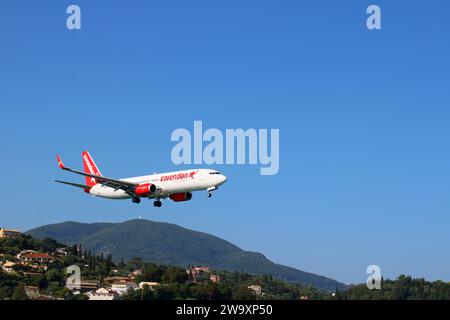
[123,288]
[151,285]
[256,288]
[214,278]
[5,233]
[60,252]
[8,266]
[120,285]
[37,258]
[194,273]
[86,286]
[102,294]
[23,252]
[117,280]
[39,268]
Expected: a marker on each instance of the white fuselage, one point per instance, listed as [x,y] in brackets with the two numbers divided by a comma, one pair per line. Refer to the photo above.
[166,183]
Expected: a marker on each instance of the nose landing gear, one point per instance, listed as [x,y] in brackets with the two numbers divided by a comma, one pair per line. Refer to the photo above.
[210,190]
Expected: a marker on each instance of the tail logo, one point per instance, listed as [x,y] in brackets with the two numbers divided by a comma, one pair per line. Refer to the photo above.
[89,165]
[91,168]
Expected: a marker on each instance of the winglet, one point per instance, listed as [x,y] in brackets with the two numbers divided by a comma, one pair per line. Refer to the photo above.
[60,163]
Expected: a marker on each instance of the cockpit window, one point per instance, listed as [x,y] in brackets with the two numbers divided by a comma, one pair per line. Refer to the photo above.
[215,172]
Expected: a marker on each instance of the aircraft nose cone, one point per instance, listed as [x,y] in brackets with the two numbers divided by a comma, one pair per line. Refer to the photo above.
[223,179]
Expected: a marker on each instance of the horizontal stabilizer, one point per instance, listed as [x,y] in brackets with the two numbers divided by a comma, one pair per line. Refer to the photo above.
[74,184]
[105,181]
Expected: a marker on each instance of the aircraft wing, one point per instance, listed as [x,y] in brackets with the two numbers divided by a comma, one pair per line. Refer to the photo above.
[113,183]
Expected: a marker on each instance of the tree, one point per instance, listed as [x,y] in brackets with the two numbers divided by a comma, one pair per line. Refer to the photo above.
[39,281]
[80,296]
[5,292]
[243,293]
[135,263]
[174,275]
[152,272]
[54,276]
[121,264]
[163,293]
[146,293]
[19,293]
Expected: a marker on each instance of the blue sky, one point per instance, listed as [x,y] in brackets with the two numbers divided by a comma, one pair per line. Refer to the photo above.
[363,117]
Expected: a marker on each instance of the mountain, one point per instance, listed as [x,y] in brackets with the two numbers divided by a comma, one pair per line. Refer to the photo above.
[166,243]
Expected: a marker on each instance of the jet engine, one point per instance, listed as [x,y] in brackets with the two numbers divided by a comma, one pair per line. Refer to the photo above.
[145,190]
[183,196]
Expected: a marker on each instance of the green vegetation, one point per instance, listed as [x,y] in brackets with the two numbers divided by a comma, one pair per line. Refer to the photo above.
[232,285]
[12,246]
[404,288]
[50,282]
[12,285]
[169,244]
[174,282]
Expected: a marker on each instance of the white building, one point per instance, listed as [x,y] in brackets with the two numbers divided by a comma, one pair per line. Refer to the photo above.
[8,266]
[24,252]
[256,288]
[122,288]
[102,294]
[151,285]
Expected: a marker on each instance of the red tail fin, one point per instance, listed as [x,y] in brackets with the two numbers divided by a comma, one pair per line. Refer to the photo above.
[90,167]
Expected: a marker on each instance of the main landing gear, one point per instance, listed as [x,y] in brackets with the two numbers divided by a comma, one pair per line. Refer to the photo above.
[136,200]
[157,203]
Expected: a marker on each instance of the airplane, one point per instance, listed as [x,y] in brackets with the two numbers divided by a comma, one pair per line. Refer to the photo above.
[178,185]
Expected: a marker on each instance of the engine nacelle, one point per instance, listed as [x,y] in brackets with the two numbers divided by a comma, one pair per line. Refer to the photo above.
[183,196]
[145,190]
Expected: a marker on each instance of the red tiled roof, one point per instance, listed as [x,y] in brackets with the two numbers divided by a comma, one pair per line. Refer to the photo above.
[38,256]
